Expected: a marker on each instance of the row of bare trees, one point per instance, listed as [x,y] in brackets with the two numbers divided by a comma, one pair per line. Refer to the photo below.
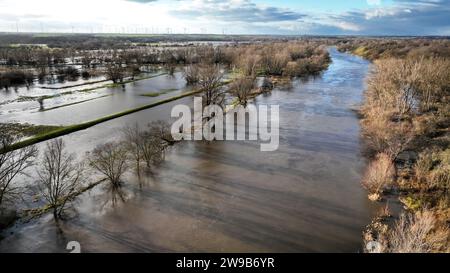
[291,59]
[287,58]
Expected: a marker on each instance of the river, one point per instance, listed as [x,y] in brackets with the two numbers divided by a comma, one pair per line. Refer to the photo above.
[229,196]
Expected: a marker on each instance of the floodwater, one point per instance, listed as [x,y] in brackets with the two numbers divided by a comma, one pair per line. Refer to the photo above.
[229,196]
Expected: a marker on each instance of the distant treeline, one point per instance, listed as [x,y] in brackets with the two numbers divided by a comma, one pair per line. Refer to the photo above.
[111,41]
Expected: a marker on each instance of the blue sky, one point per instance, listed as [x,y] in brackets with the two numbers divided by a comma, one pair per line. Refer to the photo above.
[320,17]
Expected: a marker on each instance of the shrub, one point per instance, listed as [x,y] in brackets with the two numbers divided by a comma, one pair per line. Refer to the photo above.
[70,72]
[423,166]
[432,170]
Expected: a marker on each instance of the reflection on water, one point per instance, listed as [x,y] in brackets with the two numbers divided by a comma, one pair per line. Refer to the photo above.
[229,196]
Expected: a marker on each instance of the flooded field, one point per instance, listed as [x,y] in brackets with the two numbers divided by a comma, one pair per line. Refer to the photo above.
[83,106]
[221,196]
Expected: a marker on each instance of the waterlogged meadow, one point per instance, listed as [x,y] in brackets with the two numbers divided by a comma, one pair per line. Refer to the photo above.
[89,153]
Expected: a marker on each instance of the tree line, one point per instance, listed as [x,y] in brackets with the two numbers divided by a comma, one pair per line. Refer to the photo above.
[61,175]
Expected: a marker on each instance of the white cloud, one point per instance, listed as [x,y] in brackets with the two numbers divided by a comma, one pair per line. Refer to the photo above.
[374,2]
[399,17]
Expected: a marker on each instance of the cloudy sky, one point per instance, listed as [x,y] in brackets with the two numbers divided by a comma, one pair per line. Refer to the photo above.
[365,17]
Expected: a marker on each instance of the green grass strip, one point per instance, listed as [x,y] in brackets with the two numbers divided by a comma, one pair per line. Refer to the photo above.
[82,126]
[156,94]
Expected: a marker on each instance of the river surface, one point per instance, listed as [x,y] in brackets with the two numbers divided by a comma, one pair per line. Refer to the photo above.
[229,196]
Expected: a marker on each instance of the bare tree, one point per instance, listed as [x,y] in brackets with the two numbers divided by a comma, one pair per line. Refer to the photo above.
[134,70]
[242,88]
[191,74]
[248,63]
[60,176]
[12,163]
[379,176]
[110,159]
[115,72]
[161,129]
[134,141]
[156,141]
[210,81]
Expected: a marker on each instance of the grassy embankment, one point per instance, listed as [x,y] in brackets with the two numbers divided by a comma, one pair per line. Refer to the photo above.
[159,93]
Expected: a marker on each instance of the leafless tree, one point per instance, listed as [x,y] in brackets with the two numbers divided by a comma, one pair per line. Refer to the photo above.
[86,59]
[60,176]
[210,82]
[248,63]
[161,129]
[115,72]
[12,163]
[110,159]
[133,140]
[134,70]
[156,141]
[191,74]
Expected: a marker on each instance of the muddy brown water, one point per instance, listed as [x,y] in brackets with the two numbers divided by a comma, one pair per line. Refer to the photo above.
[229,196]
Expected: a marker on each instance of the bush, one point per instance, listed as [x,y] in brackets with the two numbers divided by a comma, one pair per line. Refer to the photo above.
[15,77]
[432,170]
[85,74]
[70,72]
[379,175]
[417,233]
